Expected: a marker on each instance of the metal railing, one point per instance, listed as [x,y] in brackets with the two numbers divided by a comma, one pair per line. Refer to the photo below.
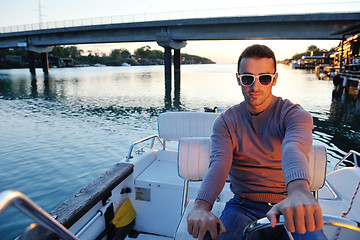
[99,213]
[143,140]
[298,8]
[328,220]
[351,152]
[29,208]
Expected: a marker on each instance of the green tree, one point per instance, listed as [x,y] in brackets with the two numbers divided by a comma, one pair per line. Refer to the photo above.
[143,52]
[333,49]
[71,51]
[157,54]
[125,53]
[312,48]
[74,52]
[60,51]
[146,52]
[121,53]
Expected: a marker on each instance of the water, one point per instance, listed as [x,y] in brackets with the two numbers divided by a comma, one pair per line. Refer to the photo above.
[59,132]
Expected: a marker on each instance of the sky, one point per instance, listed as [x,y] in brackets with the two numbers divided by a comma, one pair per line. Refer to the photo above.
[21,12]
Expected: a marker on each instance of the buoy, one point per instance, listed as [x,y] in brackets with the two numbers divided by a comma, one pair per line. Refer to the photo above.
[125,215]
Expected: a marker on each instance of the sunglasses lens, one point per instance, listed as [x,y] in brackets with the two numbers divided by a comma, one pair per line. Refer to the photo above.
[247,80]
[265,79]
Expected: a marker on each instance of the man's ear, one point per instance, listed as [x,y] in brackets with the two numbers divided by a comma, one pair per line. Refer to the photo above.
[237,79]
[275,79]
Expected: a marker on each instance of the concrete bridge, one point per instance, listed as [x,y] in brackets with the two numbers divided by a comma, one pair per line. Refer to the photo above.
[173,34]
[301,26]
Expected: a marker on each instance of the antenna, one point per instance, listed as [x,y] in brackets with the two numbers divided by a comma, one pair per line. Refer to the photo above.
[40,14]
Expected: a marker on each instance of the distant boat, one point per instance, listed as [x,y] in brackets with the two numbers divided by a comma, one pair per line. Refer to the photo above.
[125,64]
[99,65]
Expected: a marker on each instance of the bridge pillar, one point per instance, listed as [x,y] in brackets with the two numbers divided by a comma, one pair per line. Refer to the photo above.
[177,84]
[31,61]
[164,40]
[45,62]
[167,63]
[44,57]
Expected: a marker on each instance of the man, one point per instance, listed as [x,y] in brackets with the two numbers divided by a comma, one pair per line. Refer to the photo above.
[262,144]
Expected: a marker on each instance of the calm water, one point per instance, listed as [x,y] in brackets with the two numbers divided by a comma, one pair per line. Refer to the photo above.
[60,132]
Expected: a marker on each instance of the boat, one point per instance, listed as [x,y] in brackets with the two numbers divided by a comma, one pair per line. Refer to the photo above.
[325,71]
[147,194]
[99,65]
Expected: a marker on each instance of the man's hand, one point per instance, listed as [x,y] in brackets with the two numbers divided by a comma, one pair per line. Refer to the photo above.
[201,219]
[300,209]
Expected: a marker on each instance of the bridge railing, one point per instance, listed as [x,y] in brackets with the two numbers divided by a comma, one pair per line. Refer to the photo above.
[208,13]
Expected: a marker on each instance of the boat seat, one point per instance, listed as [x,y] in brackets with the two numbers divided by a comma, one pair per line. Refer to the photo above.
[174,125]
[193,163]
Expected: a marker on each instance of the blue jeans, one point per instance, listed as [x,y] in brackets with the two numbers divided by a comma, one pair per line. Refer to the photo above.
[239,213]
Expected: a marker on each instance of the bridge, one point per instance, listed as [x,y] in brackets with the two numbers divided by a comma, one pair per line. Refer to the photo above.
[300,26]
[173,34]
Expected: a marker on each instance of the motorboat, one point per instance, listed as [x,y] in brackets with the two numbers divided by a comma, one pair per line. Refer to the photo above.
[147,195]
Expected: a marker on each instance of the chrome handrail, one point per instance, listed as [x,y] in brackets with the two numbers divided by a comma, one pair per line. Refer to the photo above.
[98,214]
[29,208]
[355,154]
[328,220]
[153,137]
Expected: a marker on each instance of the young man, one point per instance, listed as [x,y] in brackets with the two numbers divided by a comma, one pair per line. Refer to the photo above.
[262,144]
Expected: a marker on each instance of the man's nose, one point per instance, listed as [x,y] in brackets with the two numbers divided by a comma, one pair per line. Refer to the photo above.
[256,84]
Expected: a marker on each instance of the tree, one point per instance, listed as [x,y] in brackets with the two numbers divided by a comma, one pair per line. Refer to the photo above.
[74,52]
[60,52]
[146,52]
[312,48]
[125,53]
[121,53]
[66,52]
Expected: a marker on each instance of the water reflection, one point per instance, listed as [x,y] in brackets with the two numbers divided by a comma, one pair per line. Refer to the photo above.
[114,94]
[177,81]
[27,87]
[78,122]
[342,127]
[50,88]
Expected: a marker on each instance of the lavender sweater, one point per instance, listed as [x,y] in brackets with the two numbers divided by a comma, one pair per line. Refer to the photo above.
[261,154]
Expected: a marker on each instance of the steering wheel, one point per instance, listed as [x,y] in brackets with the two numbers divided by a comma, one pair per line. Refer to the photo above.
[335,228]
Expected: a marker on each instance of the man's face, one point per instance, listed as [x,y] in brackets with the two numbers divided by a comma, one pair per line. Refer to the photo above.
[257,97]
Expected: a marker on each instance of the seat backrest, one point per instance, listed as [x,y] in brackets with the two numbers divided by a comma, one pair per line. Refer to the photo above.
[194,158]
[317,164]
[174,125]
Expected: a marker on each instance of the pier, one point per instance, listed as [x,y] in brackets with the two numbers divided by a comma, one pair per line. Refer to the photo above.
[347,62]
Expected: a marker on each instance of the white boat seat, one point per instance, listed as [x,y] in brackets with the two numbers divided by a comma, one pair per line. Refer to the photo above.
[317,164]
[193,163]
[174,125]
[194,158]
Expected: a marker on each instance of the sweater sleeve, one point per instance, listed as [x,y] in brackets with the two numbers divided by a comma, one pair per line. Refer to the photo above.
[220,162]
[296,144]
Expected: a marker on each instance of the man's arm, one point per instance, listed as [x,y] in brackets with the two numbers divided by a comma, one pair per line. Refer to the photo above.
[201,219]
[300,209]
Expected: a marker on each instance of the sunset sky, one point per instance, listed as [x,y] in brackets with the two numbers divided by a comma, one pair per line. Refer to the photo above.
[21,12]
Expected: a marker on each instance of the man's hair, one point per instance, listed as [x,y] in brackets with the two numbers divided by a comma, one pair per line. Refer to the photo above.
[257,51]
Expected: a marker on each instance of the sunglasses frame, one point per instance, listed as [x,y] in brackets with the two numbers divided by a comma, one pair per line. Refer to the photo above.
[239,77]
